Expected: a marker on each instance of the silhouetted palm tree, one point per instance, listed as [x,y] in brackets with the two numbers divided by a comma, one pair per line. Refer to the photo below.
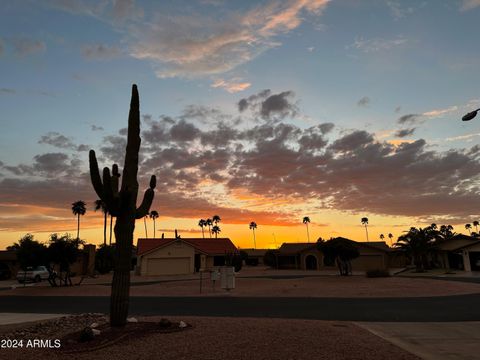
[79,208]
[468,227]
[418,243]
[100,205]
[216,219]
[154,215]
[209,223]
[306,221]
[433,226]
[476,223]
[202,223]
[390,236]
[111,228]
[216,230]
[382,237]
[253,226]
[365,222]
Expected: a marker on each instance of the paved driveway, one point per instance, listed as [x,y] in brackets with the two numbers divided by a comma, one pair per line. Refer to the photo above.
[432,341]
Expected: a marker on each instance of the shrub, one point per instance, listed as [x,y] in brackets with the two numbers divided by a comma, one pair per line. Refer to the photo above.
[377,273]
[270,259]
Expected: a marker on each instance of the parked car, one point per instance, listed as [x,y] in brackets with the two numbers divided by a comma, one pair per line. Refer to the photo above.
[33,274]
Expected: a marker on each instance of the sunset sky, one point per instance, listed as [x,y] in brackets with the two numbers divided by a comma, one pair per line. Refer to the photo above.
[263,111]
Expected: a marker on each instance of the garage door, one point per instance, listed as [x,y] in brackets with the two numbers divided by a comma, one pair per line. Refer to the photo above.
[368,262]
[168,266]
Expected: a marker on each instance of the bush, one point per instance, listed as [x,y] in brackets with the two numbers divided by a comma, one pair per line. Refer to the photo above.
[234,260]
[104,259]
[270,259]
[377,273]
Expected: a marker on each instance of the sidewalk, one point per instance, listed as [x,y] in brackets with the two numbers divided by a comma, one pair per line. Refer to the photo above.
[431,340]
[19,318]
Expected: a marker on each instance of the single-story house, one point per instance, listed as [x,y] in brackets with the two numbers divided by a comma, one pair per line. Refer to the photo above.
[255,256]
[374,255]
[176,256]
[461,252]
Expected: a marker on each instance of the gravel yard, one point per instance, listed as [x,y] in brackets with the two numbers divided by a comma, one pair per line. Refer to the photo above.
[221,338]
[318,286]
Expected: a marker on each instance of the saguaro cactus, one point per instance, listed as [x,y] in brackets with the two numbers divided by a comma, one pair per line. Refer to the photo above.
[122,204]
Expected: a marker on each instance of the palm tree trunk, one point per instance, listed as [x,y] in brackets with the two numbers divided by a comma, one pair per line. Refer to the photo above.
[366,231]
[105,228]
[308,235]
[78,226]
[254,241]
[145,223]
[154,228]
[203,233]
[209,231]
[111,221]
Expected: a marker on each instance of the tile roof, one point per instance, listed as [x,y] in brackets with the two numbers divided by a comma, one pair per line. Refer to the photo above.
[209,246]
[294,248]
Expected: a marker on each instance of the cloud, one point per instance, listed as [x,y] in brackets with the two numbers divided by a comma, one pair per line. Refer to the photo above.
[408,119]
[79,7]
[377,44]
[440,112]
[100,52]
[405,132]
[469,4]
[7,91]
[270,106]
[364,101]
[231,86]
[23,46]
[125,9]
[398,10]
[188,46]
[61,141]
[94,127]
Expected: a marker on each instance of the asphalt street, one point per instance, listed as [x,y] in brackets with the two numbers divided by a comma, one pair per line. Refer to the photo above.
[420,309]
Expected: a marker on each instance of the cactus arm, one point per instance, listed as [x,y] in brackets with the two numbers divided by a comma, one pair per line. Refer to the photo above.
[95,174]
[144,207]
[114,181]
[107,190]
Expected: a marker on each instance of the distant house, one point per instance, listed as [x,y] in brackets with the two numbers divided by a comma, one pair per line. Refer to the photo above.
[255,256]
[461,252]
[374,255]
[181,256]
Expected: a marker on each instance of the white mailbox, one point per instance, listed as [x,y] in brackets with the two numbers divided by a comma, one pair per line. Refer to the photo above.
[227,277]
[215,274]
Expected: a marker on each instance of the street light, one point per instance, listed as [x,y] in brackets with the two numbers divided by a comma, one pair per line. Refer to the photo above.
[470,115]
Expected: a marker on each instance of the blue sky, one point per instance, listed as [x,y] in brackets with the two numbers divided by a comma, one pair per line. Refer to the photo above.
[388,72]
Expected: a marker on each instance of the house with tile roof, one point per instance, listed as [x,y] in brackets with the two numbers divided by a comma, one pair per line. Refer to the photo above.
[177,256]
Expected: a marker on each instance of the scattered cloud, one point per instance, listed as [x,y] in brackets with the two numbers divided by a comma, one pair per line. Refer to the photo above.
[469,5]
[364,101]
[60,141]
[397,109]
[467,137]
[94,127]
[100,52]
[23,46]
[399,10]
[232,86]
[440,112]
[7,91]
[409,119]
[377,44]
[270,106]
[405,132]
[311,48]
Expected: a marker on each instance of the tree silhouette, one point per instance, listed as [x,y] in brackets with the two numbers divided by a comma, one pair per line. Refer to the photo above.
[154,215]
[209,223]
[476,223]
[417,243]
[216,219]
[341,251]
[100,205]
[202,223]
[123,205]
[79,209]
[216,230]
[469,228]
[145,225]
[390,236]
[306,221]
[365,222]
[253,226]
[63,250]
[382,237]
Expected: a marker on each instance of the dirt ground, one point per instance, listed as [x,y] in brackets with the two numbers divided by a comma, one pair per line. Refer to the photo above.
[245,338]
[250,283]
